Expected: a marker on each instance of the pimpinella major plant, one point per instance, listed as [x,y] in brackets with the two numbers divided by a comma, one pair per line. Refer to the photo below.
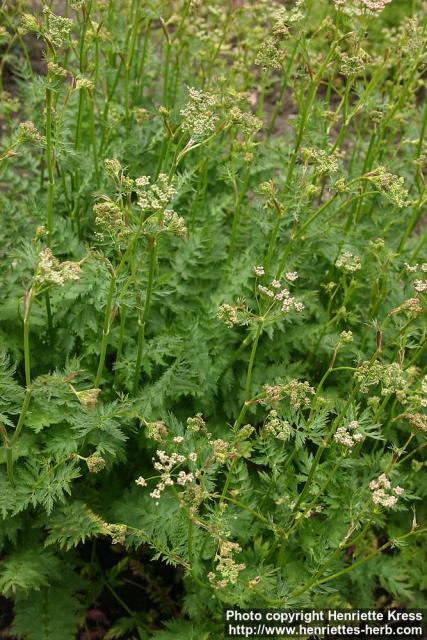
[213,276]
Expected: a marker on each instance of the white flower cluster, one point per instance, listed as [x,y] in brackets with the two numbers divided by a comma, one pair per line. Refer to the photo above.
[415,267]
[411,306]
[157,430]
[50,271]
[56,70]
[196,423]
[58,28]
[346,337]
[55,29]
[348,262]
[199,114]
[352,65]
[95,463]
[259,271]
[276,291]
[390,185]
[324,163]
[222,450]
[270,55]
[391,377]
[383,493]
[424,391]
[348,436]
[117,532]
[184,478]
[154,197]
[360,7]
[84,83]
[291,276]
[29,133]
[274,426]
[247,122]
[298,393]
[227,569]
[375,6]
[115,171]
[165,465]
[287,16]
[174,223]
[418,421]
[227,313]
[420,285]
[108,215]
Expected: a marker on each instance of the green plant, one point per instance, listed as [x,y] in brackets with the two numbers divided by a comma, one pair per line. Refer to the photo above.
[213,283]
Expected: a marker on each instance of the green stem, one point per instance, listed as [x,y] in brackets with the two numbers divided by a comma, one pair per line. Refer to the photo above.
[22,415]
[245,405]
[166,73]
[9,465]
[28,301]
[418,212]
[93,140]
[279,101]
[49,162]
[106,329]
[143,319]
[236,216]
[140,84]
[357,564]
[120,342]
[322,447]
[17,433]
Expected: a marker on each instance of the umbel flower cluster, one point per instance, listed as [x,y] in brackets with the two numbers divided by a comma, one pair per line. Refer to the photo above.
[391,186]
[166,465]
[170,465]
[274,426]
[348,435]
[55,29]
[298,393]
[348,262]
[227,570]
[28,132]
[277,292]
[213,273]
[199,116]
[359,7]
[391,377]
[50,271]
[323,162]
[383,493]
[153,197]
[276,296]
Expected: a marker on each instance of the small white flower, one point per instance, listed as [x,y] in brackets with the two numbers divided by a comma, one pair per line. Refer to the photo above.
[411,269]
[420,285]
[348,262]
[291,276]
